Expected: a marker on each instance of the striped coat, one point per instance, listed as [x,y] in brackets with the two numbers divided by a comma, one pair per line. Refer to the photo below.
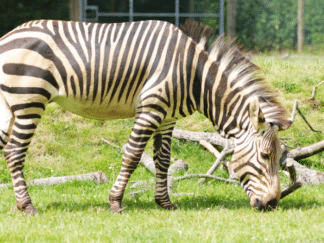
[150,70]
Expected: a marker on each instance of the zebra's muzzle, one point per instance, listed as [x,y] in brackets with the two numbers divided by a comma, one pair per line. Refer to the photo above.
[260,205]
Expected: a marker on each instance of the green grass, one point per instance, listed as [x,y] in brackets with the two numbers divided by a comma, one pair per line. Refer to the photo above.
[66,144]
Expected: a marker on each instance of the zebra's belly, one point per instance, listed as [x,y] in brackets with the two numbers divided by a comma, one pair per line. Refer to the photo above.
[96,111]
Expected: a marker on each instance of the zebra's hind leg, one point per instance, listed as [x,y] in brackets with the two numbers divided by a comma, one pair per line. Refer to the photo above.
[15,152]
[162,146]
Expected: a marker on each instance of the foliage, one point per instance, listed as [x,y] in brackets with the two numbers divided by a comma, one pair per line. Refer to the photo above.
[272,25]
[14,13]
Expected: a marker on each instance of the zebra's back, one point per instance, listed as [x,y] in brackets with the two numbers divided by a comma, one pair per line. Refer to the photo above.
[94,70]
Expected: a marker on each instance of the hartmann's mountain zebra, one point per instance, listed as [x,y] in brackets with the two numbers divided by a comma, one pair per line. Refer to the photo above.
[150,70]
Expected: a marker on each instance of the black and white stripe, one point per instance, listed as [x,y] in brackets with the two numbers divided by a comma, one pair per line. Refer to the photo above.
[150,70]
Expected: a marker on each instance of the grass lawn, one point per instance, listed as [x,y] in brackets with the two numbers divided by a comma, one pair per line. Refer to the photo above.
[66,144]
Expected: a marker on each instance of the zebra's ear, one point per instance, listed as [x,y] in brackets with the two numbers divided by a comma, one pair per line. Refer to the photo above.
[256,116]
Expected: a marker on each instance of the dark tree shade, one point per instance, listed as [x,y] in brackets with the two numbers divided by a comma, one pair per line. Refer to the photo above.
[14,13]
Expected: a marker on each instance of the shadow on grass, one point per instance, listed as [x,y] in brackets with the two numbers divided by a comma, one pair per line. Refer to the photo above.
[301,203]
[194,203]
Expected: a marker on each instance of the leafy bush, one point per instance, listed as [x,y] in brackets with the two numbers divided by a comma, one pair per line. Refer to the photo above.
[14,13]
[272,25]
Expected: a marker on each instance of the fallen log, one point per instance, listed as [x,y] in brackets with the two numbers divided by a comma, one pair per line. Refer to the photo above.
[306,175]
[213,138]
[98,177]
[301,153]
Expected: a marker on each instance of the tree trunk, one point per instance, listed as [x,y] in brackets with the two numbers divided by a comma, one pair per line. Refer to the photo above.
[300,33]
[75,11]
[231,18]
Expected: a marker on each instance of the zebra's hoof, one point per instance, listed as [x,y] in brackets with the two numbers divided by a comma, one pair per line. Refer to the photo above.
[30,210]
[170,206]
[115,207]
[116,210]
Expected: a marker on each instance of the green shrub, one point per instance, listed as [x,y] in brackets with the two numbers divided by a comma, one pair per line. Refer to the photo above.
[272,25]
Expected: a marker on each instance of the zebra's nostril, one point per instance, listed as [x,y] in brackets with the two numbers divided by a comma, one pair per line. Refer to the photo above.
[258,204]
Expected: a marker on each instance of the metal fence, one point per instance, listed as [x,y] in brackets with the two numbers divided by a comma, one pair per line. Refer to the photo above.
[91,13]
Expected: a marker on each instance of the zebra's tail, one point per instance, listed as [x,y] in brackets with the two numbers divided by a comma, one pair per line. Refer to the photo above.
[6,121]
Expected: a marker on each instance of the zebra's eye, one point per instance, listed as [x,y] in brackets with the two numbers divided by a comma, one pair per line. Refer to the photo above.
[265,156]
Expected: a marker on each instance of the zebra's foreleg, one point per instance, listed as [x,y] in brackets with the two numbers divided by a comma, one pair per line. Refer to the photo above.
[141,133]
[162,146]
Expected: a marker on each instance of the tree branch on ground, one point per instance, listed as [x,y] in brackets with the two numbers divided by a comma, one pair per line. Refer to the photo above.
[220,156]
[314,90]
[211,137]
[301,153]
[98,177]
[294,154]
[293,115]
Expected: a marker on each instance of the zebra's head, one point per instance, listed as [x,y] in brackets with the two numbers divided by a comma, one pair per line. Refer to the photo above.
[241,105]
[256,158]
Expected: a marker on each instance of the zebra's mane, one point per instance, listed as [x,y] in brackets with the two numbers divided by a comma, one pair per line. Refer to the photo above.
[239,69]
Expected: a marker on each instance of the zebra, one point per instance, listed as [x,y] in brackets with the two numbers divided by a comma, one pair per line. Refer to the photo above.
[150,70]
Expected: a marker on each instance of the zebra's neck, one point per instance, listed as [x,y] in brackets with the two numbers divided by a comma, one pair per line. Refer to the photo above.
[221,99]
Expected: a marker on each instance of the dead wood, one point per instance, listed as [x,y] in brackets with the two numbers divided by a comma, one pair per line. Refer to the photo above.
[290,189]
[220,156]
[301,153]
[284,56]
[292,171]
[295,154]
[178,165]
[138,184]
[213,138]
[314,90]
[294,185]
[132,194]
[189,176]
[306,175]
[98,177]
[293,115]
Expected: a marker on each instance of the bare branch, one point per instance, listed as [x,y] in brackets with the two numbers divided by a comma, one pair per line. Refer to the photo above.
[99,177]
[189,176]
[292,171]
[290,189]
[306,175]
[132,194]
[110,143]
[314,130]
[178,165]
[314,90]
[220,156]
[301,153]
[293,116]
[213,138]
[293,176]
